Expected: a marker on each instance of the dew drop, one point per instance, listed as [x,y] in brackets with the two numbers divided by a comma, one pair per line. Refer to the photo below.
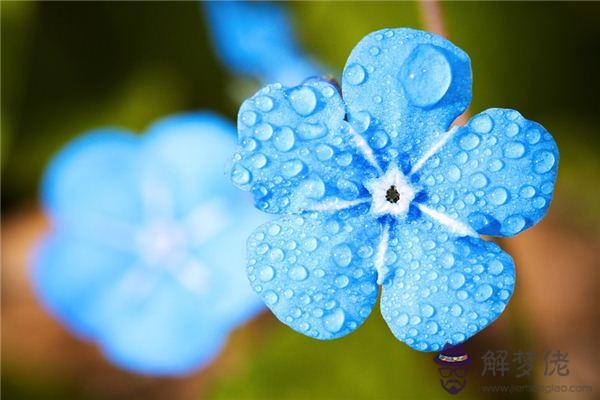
[249,118]
[308,131]
[482,123]
[469,141]
[427,310]
[495,267]
[374,51]
[310,244]
[355,74]
[431,327]
[514,224]
[447,260]
[266,274]
[263,131]
[512,130]
[291,168]
[240,175]
[543,162]
[334,321]
[527,191]
[402,319]
[456,280]
[496,165]
[342,255]
[264,103]
[270,297]
[324,152]
[456,310]
[498,196]
[533,136]
[284,139]
[258,160]
[303,100]
[298,273]
[426,75]
[453,173]
[514,150]
[479,180]
[342,281]
[483,292]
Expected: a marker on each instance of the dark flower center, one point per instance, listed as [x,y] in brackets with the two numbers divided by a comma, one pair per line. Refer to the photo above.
[392,195]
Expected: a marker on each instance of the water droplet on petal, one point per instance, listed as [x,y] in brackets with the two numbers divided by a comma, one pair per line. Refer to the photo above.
[514,224]
[324,152]
[527,191]
[495,267]
[479,180]
[456,280]
[263,131]
[355,74]
[426,75]
[469,141]
[482,123]
[303,100]
[342,281]
[264,103]
[342,255]
[271,297]
[249,118]
[483,292]
[266,274]
[456,310]
[298,273]
[308,131]
[498,196]
[543,162]
[427,310]
[334,321]
[514,150]
[240,175]
[291,168]
[284,139]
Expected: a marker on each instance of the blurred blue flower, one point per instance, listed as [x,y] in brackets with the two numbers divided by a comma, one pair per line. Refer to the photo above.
[376,188]
[145,256]
[255,38]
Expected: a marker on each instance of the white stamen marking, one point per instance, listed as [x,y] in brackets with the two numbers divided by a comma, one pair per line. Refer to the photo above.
[452,224]
[433,149]
[337,204]
[382,269]
[362,145]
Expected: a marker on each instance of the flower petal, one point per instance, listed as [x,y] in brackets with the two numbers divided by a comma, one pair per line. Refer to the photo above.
[445,288]
[403,89]
[168,333]
[296,150]
[91,185]
[497,173]
[315,271]
[255,38]
[71,274]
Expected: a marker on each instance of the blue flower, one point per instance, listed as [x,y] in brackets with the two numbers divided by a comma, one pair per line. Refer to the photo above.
[375,187]
[145,256]
[256,39]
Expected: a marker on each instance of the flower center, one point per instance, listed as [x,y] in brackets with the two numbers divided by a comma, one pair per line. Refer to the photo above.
[392,195]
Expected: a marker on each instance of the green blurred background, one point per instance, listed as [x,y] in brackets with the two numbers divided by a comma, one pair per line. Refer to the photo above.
[70,67]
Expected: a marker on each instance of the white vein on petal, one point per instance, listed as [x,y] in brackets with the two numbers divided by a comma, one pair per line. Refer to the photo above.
[436,147]
[366,150]
[453,225]
[382,270]
[337,204]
